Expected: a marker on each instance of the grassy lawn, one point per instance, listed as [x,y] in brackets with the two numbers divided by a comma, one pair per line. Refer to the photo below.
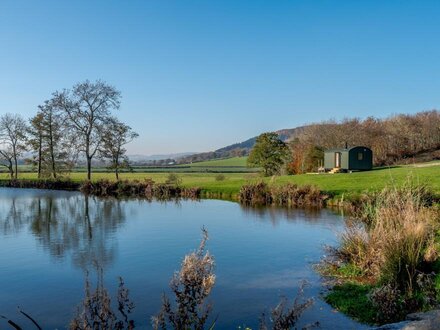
[335,183]
[370,180]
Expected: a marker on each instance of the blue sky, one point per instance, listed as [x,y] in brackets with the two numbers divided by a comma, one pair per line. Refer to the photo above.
[198,75]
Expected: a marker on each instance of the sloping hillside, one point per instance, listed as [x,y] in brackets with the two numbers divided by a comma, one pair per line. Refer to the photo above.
[238,149]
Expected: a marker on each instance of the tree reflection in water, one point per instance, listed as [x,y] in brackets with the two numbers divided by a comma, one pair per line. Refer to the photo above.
[82,228]
[79,225]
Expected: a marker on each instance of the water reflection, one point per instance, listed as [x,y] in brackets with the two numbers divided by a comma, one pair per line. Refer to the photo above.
[260,253]
[279,214]
[76,225]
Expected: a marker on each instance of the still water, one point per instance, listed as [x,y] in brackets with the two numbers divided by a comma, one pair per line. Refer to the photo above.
[50,239]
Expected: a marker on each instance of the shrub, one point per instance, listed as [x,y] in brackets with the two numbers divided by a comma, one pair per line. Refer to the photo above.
[144,189]
[297,196]
[220,177]
[255,194]
[174,179]
[95,312]
[284,316]
[58,184]
[388,303]
[290,195]
[191,287]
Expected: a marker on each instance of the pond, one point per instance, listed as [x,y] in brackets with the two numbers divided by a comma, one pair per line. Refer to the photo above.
[50,239]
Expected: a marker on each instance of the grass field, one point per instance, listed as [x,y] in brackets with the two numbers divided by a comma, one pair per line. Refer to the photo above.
[234,161]
[338,184]
[228,165]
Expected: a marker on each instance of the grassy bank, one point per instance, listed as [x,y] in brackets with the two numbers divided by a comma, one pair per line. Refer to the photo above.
[342,186]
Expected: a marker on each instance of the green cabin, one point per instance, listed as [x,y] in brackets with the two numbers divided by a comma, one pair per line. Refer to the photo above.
[349,159]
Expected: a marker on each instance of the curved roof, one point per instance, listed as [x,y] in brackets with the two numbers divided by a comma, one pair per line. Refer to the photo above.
[345,149]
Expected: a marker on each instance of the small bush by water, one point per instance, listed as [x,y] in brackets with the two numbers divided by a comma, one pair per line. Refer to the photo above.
[95,311]
[290,195]
[62,184]
[144,189]
[284,316]
[191,287]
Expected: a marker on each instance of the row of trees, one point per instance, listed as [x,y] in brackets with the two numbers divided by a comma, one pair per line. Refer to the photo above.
[74,123]
[393,140]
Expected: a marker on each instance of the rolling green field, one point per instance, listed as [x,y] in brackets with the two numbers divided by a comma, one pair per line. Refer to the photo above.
[337,184]
[234,161]
[228,165]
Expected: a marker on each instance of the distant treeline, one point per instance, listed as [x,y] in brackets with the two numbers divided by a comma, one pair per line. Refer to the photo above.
[395,139]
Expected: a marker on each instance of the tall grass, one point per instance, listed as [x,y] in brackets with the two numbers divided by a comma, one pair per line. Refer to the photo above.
[396,238]
[394,246]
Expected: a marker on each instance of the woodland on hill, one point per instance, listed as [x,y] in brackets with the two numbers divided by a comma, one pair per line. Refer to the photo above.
[396,139]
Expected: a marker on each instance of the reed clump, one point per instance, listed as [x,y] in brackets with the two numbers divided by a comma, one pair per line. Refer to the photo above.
[191,286]
[285,316]
[143,189]
[255,194]
[290,195]
[96,310]
[59,184]
[394,246]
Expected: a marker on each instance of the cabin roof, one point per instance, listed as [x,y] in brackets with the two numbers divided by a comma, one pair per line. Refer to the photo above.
[344,149]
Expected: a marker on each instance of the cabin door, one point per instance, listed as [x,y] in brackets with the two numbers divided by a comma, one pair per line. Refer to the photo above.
[338,159]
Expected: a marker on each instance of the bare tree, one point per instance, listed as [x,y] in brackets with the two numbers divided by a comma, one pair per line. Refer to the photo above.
[35,141]
[87,108]
[7,160]
[13,140]
[50,141]
[115,135]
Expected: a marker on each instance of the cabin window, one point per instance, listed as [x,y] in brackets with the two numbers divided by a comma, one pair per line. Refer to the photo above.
[360,155]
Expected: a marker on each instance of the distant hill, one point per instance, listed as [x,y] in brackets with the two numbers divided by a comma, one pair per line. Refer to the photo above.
[238,149]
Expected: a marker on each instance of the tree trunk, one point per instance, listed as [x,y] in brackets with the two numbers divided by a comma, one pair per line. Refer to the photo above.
[117,168]
[16,166]
[40,146]
[11,169]
[51,149]
[89,168]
